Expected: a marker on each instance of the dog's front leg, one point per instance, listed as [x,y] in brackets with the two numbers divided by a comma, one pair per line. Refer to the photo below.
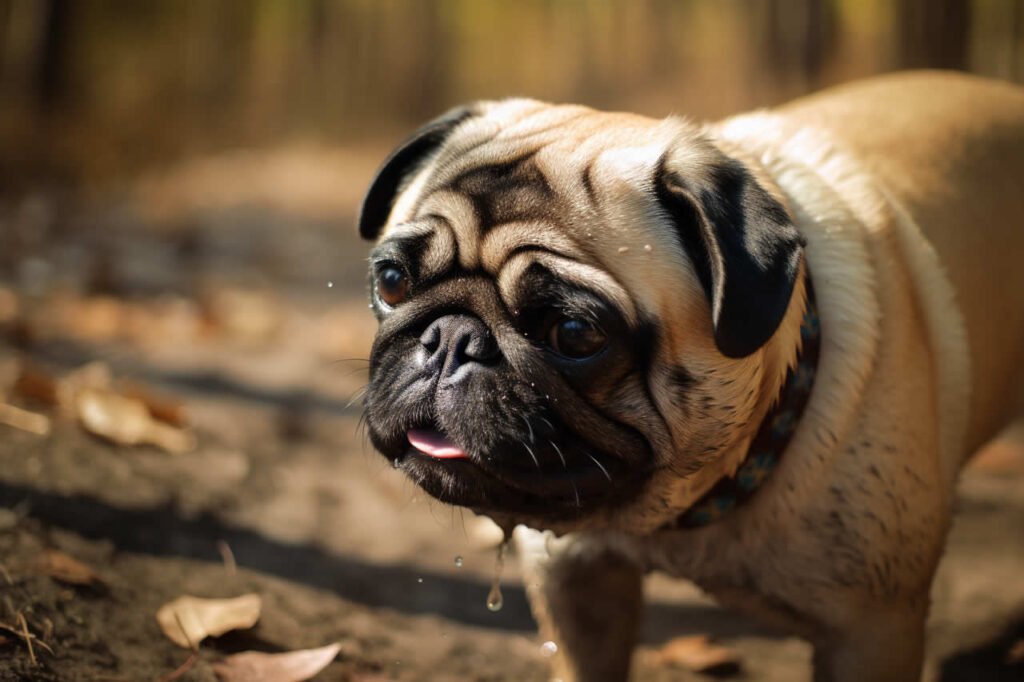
[883,645]
[587,596]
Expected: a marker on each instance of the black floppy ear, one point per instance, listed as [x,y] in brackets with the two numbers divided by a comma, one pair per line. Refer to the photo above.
[741,240]
[380,197]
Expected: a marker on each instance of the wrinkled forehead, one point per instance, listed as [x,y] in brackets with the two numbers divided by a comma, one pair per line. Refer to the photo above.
[564,187]
[519,153]
[432,246]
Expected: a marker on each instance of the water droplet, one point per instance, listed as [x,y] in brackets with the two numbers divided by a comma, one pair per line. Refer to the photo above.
[494,599]
[458,562]
[419,580]
[647,247]
[330,285]
[549,648]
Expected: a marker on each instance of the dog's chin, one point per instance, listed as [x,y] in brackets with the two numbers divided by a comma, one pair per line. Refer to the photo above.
[487,484]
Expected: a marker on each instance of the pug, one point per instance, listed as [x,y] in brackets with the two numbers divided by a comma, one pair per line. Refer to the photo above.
[753,353]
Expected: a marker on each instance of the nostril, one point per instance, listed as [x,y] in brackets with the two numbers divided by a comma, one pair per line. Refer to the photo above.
[480,346]
[431,338]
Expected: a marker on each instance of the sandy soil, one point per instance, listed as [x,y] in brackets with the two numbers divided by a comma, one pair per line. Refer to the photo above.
[226,308]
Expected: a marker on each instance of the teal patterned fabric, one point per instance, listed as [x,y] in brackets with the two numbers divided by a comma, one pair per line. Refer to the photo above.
[772,437]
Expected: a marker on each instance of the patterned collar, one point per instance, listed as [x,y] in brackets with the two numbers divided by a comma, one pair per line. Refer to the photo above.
[772,437]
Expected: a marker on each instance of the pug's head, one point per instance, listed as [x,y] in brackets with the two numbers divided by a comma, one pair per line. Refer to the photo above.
[582,314]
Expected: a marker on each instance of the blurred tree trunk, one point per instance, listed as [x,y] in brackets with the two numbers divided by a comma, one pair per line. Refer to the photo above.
[425,60]
[933,33]
[52,79]
[1017,66]
[794,37]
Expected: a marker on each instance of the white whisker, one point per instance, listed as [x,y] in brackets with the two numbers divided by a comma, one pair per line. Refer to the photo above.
[357,396]
[599,466]
[530,429]
[560,455]
[532,456]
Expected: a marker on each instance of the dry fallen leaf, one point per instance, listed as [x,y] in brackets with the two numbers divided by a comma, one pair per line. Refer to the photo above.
[36,384]
[24,420]
[126,421]
[123,420]
[66,569]
[161,407]
[188,620]
[91,376]
[251,317]
[699,654]
[292,666]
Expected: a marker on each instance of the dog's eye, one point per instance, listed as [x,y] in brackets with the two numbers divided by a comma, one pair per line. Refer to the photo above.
[392,285]
[576,339]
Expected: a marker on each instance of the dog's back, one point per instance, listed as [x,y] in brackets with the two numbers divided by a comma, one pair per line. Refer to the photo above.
[949,148]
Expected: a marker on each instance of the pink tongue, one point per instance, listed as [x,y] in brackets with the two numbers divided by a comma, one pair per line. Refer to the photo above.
[434,444]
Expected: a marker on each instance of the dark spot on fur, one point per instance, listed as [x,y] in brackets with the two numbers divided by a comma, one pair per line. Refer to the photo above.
[681,382]
[588,182]
[507,192]
[680,378]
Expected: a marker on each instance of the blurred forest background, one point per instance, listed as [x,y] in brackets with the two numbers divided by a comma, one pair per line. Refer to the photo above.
[184,330]
[94,88]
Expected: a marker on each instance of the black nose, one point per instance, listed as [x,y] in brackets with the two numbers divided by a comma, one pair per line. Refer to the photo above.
[453,341]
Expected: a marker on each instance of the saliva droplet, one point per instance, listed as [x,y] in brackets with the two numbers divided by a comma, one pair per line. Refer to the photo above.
[494,599]
[458,562]
[549,649]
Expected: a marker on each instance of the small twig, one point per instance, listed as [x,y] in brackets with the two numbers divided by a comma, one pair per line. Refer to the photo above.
[16,631]
[228,557]
[181,669]
[43,645]
[24,420]
[28,638]
[189,662]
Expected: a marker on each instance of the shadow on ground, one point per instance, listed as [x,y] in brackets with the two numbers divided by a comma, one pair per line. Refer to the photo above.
[161,531]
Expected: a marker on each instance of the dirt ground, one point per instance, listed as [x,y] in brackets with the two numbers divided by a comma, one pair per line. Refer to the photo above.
[243,308]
